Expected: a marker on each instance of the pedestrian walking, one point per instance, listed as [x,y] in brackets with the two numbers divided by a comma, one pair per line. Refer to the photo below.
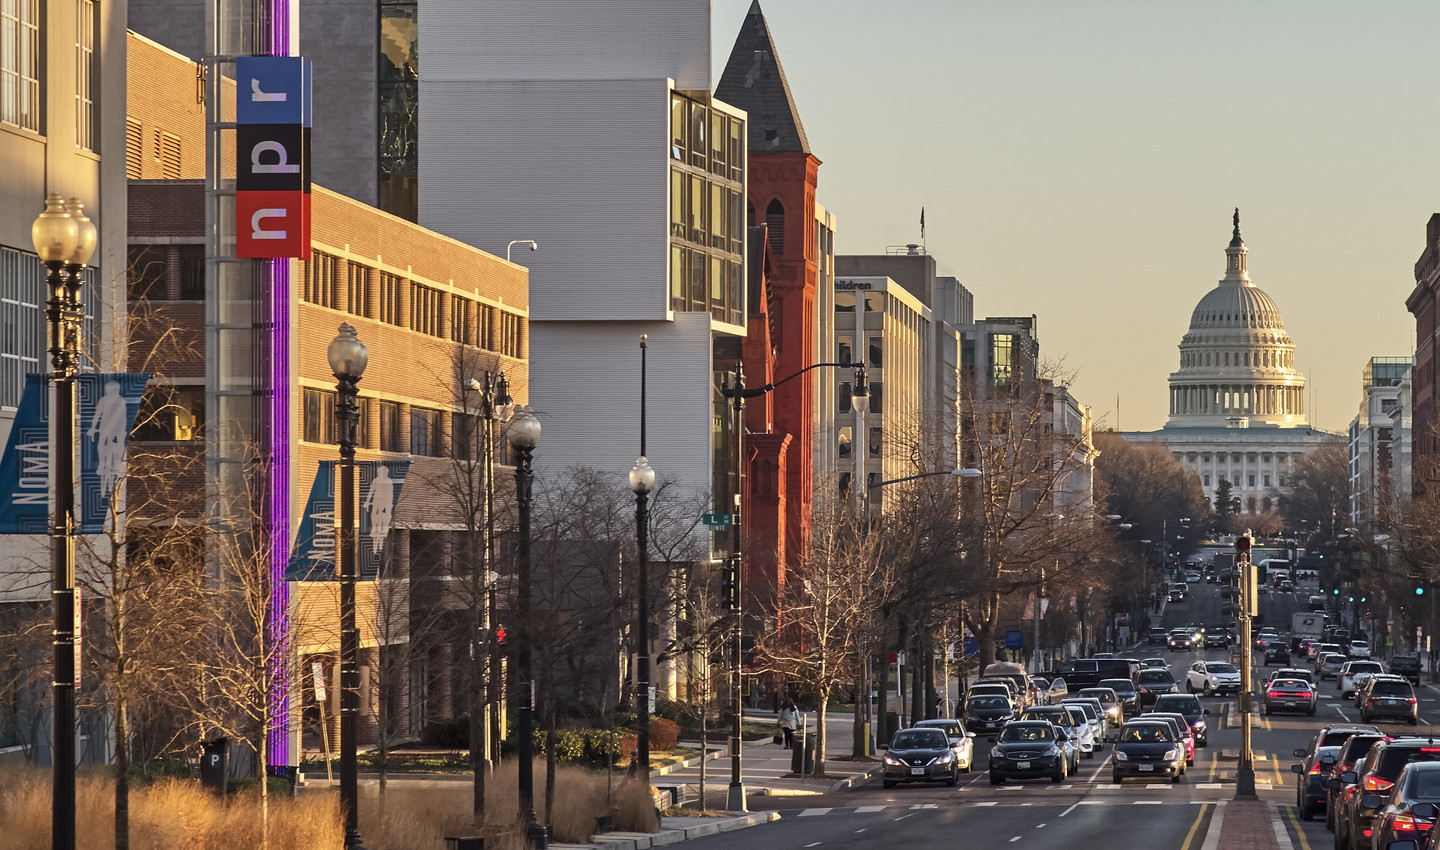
[789,721]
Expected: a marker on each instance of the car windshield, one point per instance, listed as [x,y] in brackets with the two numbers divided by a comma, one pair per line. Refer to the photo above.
[1156,677]
[1027,732]
[1102,694]
[1149,733]
[1422,784]
[1221,667]
[1391,687]
[1365,667]
[988,702]
[1119,686]
[951,729]
[1290,685]
[919,739]
[1334,658]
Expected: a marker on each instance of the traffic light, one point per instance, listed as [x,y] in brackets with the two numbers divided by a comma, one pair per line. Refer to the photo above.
[1419,591]
[500,635]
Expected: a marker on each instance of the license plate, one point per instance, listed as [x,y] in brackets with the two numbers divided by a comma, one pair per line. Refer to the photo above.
[1147,767]
[1023,765]
[1289,703]
[917,771]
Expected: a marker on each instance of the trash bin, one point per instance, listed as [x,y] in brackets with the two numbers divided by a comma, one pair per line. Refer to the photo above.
[808,752]
[214,763]
[539,835]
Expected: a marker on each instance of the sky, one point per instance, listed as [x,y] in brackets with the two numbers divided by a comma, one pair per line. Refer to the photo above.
[1080,160]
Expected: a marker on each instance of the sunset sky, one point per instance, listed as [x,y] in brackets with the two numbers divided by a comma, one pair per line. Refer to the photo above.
[1080,160]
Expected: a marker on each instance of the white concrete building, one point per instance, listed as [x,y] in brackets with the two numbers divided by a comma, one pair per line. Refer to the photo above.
[611,153]
[1379,439]
[1237,403]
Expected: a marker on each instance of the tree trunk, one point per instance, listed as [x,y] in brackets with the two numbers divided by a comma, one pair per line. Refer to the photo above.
[821,702]
[882,720]
[859,740]
[984,628]
[478,755]
[122,773]
[916,657]
[385,668]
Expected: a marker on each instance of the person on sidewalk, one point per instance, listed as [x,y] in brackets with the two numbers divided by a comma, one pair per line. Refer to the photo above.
[789,721]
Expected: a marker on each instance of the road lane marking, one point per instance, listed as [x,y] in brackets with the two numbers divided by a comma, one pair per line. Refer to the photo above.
[1295,822]
[1069,810]
[1149,803]
[1208,786]
[810,813]
[926,806]
[813,844]
[1016,838]
[861,829]
[868,810]
[1282,837]
[986,803]
[1214,828]
[1039,826]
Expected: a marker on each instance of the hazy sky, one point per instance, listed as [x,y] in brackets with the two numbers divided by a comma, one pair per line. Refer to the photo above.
[1079,160]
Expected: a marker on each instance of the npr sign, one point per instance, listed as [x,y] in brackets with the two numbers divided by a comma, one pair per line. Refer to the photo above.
[272,157]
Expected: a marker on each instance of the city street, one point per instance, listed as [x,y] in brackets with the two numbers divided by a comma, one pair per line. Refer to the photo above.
[1087,810]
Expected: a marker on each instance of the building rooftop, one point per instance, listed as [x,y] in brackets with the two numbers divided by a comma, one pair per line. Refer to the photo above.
[754,81]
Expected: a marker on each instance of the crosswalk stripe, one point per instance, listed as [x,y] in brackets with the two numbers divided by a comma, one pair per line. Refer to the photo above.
[1149,803]
[813,812]
[1208,786]
[926,806]
[869,810]
[986,803]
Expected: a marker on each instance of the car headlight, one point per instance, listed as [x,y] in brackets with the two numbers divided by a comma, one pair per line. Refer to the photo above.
[1120,756]
[1200,726]
[944,758]
[1053,751]
[1171,754]
[889,759]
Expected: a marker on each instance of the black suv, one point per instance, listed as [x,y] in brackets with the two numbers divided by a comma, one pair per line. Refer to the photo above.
[1374,778]
[1407,666]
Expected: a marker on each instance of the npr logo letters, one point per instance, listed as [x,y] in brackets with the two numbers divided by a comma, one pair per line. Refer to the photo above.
[272,150]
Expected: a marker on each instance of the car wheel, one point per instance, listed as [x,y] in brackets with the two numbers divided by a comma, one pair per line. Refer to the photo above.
[1209,691]
[1175,780]
[1414,721]
[954,778]
[1311,712]
[996,779]
[1189,686]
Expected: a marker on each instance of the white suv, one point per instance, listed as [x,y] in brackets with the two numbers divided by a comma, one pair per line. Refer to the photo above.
[1355,672]
[1212,677]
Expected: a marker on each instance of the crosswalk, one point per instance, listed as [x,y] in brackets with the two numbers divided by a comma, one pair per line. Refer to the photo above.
[895,808]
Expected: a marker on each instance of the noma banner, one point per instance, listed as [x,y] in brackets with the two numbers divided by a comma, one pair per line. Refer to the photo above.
[313,558]
[109,404]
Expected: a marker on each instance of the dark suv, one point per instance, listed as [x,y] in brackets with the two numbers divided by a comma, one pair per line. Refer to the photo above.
[1407,666]
[1188,705]
[1387,696]
[1352,752]
[1376,777]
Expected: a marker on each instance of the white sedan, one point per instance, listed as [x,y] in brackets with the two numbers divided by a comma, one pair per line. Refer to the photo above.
[1358,649]
[1212,677]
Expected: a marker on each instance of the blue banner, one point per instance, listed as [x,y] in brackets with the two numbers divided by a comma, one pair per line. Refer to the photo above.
[109,404]
[313,558]
[25,466]
[380,483]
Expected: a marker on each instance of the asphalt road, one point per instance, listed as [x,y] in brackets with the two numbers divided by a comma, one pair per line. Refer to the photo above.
[1088,810]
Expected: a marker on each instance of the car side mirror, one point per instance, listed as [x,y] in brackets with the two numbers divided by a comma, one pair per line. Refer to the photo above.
[1299,752]
[884,746]
[1295,768]
[972,734]
[1424,810]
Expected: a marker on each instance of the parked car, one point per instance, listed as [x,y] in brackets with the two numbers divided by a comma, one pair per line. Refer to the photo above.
[1407,666]
[1189,707]
[919,755]
[1290,695]
[961,741]
[1029,749]
[1152,684]
[1352,752]
[1145,749]
[1310,780]
[1127,694]
[1375,776]
[1353,673]
[1212,677]
[1387,696]
[1409,813]
[988,712]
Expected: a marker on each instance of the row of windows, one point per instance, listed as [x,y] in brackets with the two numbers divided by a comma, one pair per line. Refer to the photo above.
[22,321]
[426,425]
[707,139]
[701,281]
[874,350]
[1261,359]
[166,272]
[375,294]
[706,213]
[844,400]
[873,445]
[20,55]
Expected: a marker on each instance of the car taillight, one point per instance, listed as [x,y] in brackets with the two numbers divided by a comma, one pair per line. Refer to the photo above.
[1403,823]
[1410,700]
[1315,768]
[1304,695]
[1375,783]
[1272,694]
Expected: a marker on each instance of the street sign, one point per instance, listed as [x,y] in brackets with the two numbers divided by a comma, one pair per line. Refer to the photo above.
[971,647]
[717,520]
[1014,640]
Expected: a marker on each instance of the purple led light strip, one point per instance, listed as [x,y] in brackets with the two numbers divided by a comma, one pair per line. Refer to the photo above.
[278,521]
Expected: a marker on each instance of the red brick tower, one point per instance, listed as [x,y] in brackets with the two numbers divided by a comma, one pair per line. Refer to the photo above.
[781,187]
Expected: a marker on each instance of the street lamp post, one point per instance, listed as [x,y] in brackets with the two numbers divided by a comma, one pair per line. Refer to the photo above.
[64,239]
[735,798]
[524,434]
[348,357]
[642,480]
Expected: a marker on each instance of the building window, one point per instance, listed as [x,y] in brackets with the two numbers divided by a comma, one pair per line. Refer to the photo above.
[775,226]
[679,120]
[678,221]
[1250,479]
[875,351]
[842,398]
[425,310]
[1207,479]
[844,442]
[145,272]
[874,442]
[85,131]
[875,396]
[678,263]
[390,298]
[20,63]
[192,272]
[319,285]
[844,485]
[357,285]
[399,112]
[486,337]
[844,302]
[134,149]
[170,413]
[460,311]
[167,153]
[842,350]
[698,148]
[319,417]
[1267,479]
[425,432]
[697,209]
[1002,366]
[22,325]
[390,427]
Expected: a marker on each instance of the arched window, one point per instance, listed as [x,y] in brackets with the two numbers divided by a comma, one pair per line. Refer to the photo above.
[775,221]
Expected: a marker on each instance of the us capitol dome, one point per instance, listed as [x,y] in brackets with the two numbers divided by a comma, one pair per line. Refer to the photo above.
[1237,404]
[1236,361]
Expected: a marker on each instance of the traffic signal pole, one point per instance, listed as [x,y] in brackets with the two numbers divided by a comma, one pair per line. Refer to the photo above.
[1245,775]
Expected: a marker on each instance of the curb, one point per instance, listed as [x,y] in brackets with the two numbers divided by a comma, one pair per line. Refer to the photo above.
[710,755]
[645,840]
[854,779]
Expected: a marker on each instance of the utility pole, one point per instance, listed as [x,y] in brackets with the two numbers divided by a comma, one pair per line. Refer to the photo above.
[1245,775]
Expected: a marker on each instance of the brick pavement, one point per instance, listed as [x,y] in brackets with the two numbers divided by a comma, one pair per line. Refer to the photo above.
[1251,825]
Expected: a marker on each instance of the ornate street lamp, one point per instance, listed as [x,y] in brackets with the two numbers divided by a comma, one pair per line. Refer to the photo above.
[348,357]
[524,434]
[64,245]
[642,481]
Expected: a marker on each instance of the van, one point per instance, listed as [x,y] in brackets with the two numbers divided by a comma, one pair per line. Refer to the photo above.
[1088,672]
[1013,672]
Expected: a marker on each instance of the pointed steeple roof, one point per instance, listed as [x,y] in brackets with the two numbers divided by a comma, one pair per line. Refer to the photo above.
[755,82]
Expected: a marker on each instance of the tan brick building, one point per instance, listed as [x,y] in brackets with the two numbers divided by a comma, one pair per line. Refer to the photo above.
[433,313]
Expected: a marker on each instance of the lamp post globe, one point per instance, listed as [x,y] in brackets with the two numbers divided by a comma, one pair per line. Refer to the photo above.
[85,232]
[347,354]
[642,476]
[524,430]
[54,231]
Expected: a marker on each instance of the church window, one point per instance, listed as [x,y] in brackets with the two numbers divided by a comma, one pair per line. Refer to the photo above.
[775,221]
[1267,484]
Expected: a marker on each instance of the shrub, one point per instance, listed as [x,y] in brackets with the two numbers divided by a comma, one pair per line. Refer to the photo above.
[663,733]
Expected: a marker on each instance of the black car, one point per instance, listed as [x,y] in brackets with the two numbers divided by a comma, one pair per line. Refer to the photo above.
[1217,636]
[1152,683]
[988,712]
[1147,749]
[1180,639]
[1409,814]
[920,755]
[1311,775]
[1277,653]
[1194,713]
[1352,752]
[1125,690]
[1029,749]
[1407,666]
[1376,776]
